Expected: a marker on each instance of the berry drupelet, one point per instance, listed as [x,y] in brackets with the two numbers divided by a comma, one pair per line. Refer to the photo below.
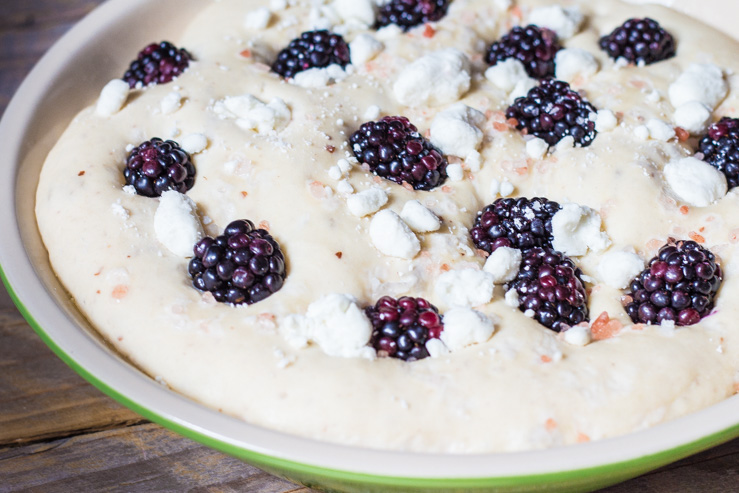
[243,265]
[639,41]
[157,64]
[549,284]
[394,150]
[552,111]
[401,327]
[410,13]
[679,285]
[533,46]
[313,49]
[720,148]
[518,223]
[156,166]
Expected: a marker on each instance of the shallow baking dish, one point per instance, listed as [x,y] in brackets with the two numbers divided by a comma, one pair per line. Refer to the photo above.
[67,79]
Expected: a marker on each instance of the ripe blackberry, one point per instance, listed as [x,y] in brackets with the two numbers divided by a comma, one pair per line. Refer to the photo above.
[410,13]
[157,64]
[402,326]
[549,284]
[533,46]
[313,49]
[518,223]
[243,265]
[680,284]
[720,148]
[156,166]
[552,111]
[394,150]
[639,41]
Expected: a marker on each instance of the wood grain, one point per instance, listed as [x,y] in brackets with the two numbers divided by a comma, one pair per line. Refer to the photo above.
[41,398]
[59,434]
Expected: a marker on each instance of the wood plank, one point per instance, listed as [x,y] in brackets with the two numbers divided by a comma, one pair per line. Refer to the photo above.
[40,397]
[715,470]
[138,458]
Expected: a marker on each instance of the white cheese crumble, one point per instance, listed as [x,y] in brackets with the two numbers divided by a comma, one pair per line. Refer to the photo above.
[641,132]
[457,131]
[176,223]
[464,327]
[464,287]
[578,335]
[419,218]
[344,187]
[692,116]
[335,323]
[605,121]
[565,22]
[366,202]
[659,130]
[617,269]
[436,348]
[455,172]
[253,114]
[364,48]
[355,13]
[392,236]
[536,148]
[315,78]
[506,188]
[193,143]
[440,77]
[576,229]
[506,74]
[571,63]
[372,112]
[112,97]
[258,19]
[702,82]
[503,264]
[522,88]
[694,181]
[170,103]
[511,298]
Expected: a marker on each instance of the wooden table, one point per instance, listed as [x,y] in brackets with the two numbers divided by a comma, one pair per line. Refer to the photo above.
[60,434]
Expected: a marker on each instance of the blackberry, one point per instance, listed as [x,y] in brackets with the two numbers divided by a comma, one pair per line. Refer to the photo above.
[549,284]
[533,46]
[552,111]
[157,64]
[720,148]
[394,150]
[409,13]
[639,41]
[679,284]
[401,327]
[313,49]
[518,223]
[156,166]
[243,265]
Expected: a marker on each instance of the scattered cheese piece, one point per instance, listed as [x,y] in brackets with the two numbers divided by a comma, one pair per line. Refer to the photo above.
[419,218]
[464,327]
[112,97]
[464,287]
[176,223]
[457,131]
[439,77]
[366,202]
[503,264]
[617,269]
[576,229]
[695,182]
[392,236]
